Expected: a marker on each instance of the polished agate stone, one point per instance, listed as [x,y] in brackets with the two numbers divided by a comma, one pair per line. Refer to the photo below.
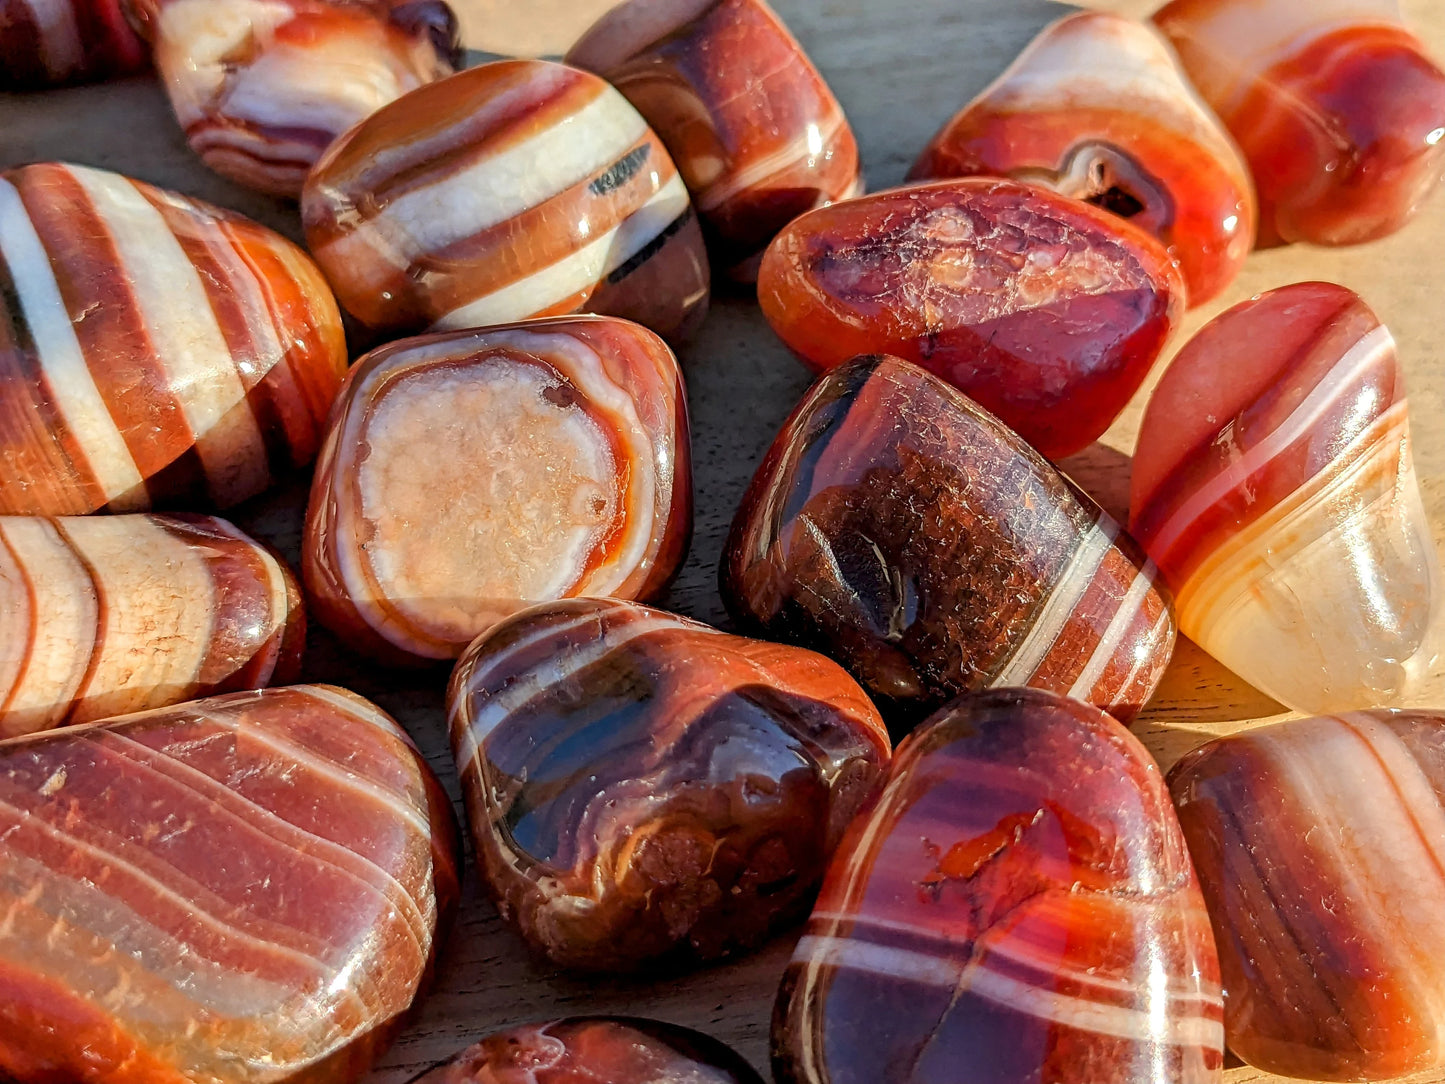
[154,351]
[595,1050]
[262,89]
[756,134]
[468,475]
[1335,103]
[1273,485]
[1318,844]
[50,42]
[910,535]
[242,889]
[642,787]
[1019,902]
[1046,310]
[515,189]
[104,615]
[1097,108]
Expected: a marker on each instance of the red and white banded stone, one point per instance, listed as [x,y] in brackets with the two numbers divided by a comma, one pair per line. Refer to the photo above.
[154,350]
[238,890]
[105,615]
[515,189]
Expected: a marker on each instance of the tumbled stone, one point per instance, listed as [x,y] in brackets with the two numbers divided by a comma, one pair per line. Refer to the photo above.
[105,615]
[1044,309]
[237,890]
[1019,902]
[47,43]
[595,1050]
[641,786]
[468,475]
[515,189]
[1335,103]
[1097,108]
[1274,486]
[909,534]
[1318,844]
[262,89]
[756,134]
[154,351]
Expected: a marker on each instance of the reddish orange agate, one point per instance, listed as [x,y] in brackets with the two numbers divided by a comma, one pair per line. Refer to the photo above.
[105,615]
[1018,901]
[154,351]
[1336,105]
[1317,843]
[755,131]
[512,190]
[594,1050]
[51,42]
[1274,487]
[903,531]
[643,788]
[1097,108]
[1046,310]
[255,880]
[471,474]
[262,89]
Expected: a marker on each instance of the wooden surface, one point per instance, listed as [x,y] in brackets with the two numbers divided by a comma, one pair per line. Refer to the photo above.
[900,71]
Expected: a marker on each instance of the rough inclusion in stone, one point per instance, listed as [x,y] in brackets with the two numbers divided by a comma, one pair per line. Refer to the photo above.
[471,474]
[104,615]
[909,534]
[154,351]
[1097,108]
[1335,103]
[262,89]
[242,890]
[595,1050]
[756,134]
[1019,901]
[1319,847]
[51,42]
[1048,311]
[516,189]
[1273,484]
[643,787]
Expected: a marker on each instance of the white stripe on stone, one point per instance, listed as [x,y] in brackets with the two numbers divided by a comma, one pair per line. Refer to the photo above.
[1369,351]
[1176,1025]
[74,395]
[189,345]
[501,186]
[578,271]
[1119,624]
[1063,599]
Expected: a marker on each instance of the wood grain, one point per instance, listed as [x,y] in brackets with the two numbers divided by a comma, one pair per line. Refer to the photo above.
[899,77]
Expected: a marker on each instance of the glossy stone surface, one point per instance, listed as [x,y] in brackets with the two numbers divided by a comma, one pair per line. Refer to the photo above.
[262,88]
[1273,484]
[1047,311]
[756,134]
[644,787]
[595,1050]
[468,475]
[1019,901]
[154,351]
[515,189]
[1338,108]
[242,889]
[104,615]
[1318,845]
[908,534]
[50,42]
[1097,108]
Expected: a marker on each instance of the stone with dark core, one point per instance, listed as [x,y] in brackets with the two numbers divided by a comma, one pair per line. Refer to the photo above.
[643,788]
